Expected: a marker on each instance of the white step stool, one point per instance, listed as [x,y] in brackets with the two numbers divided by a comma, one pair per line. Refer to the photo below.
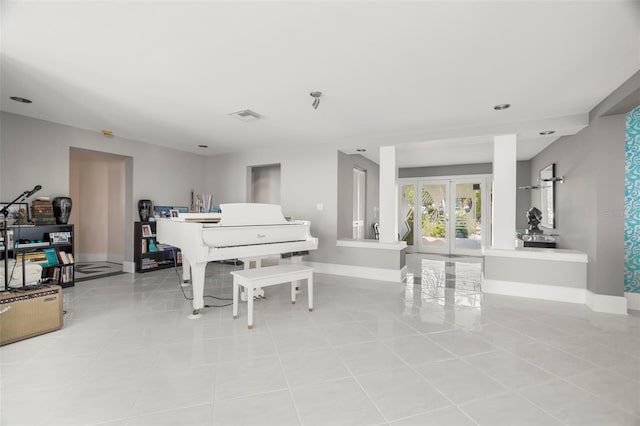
[251,279]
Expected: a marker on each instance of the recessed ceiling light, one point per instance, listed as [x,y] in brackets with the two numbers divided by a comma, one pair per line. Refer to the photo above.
[19,99]
[107,133]
[361,150]
[547,132]
[500,107]
[203,146]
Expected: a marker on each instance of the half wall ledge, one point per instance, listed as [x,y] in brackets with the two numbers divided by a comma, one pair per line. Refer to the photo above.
[371,244]
[550,274]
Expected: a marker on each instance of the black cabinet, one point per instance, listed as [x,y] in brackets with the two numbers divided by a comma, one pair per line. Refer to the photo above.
[148,254]
[51,246]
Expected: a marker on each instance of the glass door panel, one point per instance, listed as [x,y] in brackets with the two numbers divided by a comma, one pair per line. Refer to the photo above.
[434,230]
[468,216]
[406,214]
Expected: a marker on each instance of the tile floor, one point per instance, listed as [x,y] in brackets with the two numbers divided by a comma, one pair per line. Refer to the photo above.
[91,270]
[371,353]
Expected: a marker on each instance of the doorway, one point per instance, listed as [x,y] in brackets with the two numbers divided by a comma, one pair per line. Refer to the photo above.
[265,184]
[447,215]
[97,185]
[359,202]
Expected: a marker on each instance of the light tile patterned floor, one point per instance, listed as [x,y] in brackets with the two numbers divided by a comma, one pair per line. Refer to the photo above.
[91,270]
[371,353]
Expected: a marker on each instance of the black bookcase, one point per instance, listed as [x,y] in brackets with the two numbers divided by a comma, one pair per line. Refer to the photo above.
[49,245]
[144,237]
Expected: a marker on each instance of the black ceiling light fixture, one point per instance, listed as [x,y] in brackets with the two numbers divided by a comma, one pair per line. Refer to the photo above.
[203,146]
[316,99]
[547,132]
[361,150]
[500,107]
[19,99]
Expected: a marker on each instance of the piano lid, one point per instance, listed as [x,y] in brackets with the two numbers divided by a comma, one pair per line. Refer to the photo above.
[247,214]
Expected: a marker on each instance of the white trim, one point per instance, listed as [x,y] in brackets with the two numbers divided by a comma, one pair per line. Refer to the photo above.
[535,291]
[596,302]
[371,244]
[633,300]
[395,275]
[560,255]
[606,303]
[129,267]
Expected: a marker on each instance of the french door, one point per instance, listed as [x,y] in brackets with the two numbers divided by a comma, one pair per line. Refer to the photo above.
[445,215]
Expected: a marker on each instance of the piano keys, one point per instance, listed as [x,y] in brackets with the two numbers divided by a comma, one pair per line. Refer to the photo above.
[240,231]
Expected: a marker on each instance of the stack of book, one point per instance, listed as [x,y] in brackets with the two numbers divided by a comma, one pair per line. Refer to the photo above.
[42,212]
[38,257]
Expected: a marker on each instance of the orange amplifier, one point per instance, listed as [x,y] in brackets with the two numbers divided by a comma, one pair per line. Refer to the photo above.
[25,314]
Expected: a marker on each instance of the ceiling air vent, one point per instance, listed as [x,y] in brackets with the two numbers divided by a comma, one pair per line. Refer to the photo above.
[246,115]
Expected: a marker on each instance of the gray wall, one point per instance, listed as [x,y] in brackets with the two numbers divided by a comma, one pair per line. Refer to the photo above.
[523,196]
[309,178]
[308,181]
[590,203]
[346,163]
[37,152]
[534,271]
[453,170]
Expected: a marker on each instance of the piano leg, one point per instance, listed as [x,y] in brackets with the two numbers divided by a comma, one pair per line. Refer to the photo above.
[197,283]
[186,271]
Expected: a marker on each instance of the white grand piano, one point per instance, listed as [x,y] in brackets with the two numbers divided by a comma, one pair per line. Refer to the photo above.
[244,231]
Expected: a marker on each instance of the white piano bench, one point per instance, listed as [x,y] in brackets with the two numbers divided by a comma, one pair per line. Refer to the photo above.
[251,279]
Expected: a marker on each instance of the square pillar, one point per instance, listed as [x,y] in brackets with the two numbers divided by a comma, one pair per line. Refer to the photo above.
[504,192]
[388,195]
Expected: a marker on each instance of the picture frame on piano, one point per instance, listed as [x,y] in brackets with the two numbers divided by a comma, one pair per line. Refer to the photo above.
[146,231]
[162,211]
[174,213]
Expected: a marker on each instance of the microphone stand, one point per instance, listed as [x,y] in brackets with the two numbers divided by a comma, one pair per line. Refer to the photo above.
[5,213]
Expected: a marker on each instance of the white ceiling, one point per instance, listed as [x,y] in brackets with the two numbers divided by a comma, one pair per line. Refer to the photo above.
[420,75]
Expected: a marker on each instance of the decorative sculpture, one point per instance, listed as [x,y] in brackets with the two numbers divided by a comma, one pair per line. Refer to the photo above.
[534,217]
[144,209]
[62,209]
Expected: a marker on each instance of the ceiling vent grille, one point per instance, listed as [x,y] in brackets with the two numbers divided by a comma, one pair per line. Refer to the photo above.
[246,115]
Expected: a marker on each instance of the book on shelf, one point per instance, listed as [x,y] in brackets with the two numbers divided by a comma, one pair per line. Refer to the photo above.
[34,244]
[38,257]
[71,259]
[52,256]
[63,257]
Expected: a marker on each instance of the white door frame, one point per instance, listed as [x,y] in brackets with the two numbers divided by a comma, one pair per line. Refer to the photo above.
[485,181]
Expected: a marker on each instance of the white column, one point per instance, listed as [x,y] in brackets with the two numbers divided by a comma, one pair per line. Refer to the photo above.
[388,195]
[504,191]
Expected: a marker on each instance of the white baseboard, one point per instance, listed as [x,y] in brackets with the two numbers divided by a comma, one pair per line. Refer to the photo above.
[633,300]
[606,303]
[596,302]
[396,275]
[128,267]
